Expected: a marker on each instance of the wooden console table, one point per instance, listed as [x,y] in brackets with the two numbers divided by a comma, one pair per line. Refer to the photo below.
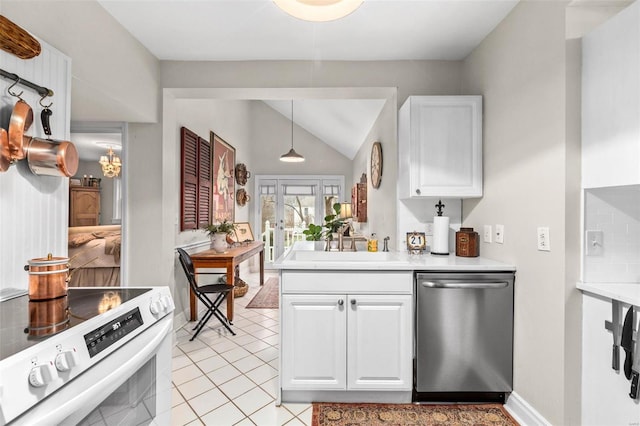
[230,261]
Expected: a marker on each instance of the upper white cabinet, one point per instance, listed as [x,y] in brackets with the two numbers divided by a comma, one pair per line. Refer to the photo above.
[611,102]
[440,147]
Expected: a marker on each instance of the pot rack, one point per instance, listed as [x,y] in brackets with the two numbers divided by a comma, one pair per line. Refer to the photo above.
[41,90]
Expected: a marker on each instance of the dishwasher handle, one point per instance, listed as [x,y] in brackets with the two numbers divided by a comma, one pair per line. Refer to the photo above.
[465,284]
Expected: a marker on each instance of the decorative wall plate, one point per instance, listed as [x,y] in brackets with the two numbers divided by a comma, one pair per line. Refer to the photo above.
[242,174]
[242,197]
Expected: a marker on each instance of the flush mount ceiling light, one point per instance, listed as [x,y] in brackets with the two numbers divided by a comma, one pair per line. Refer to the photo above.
[292,156]
[318,10]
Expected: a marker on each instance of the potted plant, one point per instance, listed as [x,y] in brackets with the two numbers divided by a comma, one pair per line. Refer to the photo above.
[332,225]
[218,233]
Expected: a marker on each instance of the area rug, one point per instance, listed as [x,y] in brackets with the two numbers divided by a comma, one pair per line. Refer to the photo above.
[332,414]
[267,297]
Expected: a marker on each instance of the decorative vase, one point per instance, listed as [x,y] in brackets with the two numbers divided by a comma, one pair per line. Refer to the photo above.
[219,242]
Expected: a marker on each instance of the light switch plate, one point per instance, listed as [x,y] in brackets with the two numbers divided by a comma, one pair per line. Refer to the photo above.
[594,243]
[487,233]
[500,234]
[544,241]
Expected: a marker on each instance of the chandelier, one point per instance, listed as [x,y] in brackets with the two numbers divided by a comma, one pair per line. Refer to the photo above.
[111,164]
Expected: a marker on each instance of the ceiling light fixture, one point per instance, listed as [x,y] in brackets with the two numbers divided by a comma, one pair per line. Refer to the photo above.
[292,156]
[318,10]
[111,164]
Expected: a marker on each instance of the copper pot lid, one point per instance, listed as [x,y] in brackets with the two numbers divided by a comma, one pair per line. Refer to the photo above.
[5,153]
[21,120]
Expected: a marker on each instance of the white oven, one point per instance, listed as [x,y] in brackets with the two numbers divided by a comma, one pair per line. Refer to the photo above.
[109,368]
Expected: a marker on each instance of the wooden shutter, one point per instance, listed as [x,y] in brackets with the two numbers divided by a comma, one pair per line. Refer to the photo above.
[189,180]
[204,182]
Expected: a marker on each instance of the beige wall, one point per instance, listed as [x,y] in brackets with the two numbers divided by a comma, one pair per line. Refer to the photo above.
[529,168]
[114,78]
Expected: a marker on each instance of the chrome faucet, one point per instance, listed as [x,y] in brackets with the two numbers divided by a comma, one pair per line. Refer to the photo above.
[385,246]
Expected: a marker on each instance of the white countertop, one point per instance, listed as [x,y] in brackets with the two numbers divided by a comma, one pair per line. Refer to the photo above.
[314,257]
[624,292]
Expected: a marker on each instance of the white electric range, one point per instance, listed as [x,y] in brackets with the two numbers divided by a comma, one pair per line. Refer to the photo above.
[99,355]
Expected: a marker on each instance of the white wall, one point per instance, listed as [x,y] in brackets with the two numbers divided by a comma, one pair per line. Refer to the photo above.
[114,77]
[34,209]
[520,70]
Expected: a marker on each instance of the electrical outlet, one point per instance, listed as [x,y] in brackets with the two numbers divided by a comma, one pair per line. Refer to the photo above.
[594,243]
[500,234]
[544,240]
[487,233]
[428,229]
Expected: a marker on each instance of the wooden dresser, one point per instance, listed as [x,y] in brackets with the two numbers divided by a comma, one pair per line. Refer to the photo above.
[84,206]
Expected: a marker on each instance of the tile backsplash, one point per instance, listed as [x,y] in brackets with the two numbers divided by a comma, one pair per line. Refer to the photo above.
[616,212]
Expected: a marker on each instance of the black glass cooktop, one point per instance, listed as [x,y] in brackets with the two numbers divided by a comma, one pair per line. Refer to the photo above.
[24,323]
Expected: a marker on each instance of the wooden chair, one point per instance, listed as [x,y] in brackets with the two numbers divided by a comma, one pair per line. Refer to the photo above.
[202,292]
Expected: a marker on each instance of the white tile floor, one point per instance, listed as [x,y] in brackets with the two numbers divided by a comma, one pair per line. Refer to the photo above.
[220,379]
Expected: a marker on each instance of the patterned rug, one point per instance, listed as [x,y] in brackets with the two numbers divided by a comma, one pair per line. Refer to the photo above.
[267,297]
[331,414]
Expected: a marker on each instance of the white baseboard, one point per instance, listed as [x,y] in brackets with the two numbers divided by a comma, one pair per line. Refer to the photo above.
[523,412]
[179,320]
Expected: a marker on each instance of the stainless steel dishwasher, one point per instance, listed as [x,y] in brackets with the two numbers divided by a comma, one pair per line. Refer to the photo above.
[464,336]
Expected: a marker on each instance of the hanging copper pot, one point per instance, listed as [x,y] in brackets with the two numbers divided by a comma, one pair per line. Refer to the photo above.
[5,154]
[51,157]
[48,277]
[21,120]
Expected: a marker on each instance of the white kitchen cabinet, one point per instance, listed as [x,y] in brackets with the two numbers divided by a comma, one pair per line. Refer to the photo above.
[314,330]
[440,147]
[611,102]
[352,339]
[379,333]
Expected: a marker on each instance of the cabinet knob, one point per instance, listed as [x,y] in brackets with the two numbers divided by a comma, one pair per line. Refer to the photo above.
[353,302]
[340,302]
[418,191]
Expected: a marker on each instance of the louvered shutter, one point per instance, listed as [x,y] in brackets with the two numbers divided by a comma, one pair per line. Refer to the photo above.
[189,180]
[204,182]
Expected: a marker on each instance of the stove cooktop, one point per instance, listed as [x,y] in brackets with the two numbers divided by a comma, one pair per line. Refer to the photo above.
[24,323]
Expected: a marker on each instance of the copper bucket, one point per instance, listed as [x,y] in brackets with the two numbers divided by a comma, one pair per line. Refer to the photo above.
[47,317]
[48,277]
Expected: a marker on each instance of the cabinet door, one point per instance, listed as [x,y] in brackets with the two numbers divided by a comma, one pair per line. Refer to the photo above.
[380,342]
[445,146]
[85,207]
[313,342]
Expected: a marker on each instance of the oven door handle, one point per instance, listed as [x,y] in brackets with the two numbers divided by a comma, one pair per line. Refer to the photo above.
[65,407]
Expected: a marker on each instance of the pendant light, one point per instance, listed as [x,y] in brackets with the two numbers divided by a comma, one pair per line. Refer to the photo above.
[292,156]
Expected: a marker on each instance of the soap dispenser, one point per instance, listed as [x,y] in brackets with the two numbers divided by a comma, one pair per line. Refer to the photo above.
[372,244]
[440,245]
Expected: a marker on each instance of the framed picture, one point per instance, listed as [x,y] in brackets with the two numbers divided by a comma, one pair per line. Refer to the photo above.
[243,232]
[416,241]
[224,160]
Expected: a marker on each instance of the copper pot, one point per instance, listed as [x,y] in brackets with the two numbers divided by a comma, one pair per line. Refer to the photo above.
[21,120]
[53,158]
[48,277]
[48,317]
[5,153]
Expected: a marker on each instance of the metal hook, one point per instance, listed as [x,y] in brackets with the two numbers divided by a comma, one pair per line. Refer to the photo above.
[17,95]
[42,99]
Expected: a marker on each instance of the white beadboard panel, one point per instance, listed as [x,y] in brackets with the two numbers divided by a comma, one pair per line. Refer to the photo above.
[34,209]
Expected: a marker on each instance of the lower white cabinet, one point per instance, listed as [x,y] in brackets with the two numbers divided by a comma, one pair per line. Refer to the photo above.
[346,342]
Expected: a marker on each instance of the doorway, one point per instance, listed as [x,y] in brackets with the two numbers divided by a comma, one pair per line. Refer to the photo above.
[288,204]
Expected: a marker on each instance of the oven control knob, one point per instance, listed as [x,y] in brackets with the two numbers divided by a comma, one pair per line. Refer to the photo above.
[156,307]
[66,360]
[42,374]
[167,302]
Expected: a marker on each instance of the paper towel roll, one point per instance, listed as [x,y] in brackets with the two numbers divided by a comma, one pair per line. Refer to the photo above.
[440,235]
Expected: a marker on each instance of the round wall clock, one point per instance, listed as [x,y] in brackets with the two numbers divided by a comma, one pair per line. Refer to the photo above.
[376,164]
